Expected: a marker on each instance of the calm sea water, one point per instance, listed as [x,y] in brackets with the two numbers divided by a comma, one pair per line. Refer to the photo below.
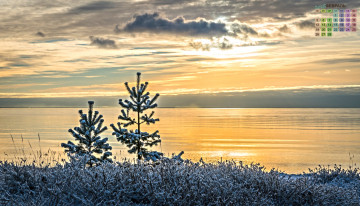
[291,140]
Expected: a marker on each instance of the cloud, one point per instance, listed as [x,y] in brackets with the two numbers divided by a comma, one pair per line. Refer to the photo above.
[155,23]
[285,29]
[200,46]
[220,43]
[170,2]
[40,34]
[238,28]
[305,24]
[199,27]
[103,43]
[225,44]
[338,61]
[93,6]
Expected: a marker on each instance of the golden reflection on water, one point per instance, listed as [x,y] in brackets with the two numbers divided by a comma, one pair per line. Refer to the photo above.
[289,139]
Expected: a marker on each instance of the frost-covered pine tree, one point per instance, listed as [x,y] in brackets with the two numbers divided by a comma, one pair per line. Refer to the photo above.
[137,140]
[89,141]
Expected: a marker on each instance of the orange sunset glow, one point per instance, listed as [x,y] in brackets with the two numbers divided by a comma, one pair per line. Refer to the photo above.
[88,49]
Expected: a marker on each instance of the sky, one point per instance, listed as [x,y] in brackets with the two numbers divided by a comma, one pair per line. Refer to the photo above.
[195,53]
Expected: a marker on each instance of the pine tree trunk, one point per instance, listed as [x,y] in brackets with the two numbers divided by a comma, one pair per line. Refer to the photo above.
[138,122]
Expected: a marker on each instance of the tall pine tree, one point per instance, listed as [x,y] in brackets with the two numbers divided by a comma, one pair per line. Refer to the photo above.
[137,140]
[90,143]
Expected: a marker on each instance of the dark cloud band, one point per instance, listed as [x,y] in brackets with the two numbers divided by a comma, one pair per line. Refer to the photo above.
[155,23]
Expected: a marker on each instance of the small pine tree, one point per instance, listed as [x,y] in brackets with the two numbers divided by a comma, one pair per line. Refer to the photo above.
[137,140]
[90,143]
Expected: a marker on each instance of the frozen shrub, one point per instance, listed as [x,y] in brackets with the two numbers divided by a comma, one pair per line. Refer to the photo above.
[137,140]
[90,145]
[168,182]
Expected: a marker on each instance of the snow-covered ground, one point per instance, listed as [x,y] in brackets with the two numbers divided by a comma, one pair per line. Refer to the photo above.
[171,182]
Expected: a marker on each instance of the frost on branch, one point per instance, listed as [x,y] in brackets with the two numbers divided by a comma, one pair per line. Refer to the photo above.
[90,143]
[136,140]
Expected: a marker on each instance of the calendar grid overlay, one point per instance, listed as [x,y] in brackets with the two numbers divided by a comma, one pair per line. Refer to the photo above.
[335,20]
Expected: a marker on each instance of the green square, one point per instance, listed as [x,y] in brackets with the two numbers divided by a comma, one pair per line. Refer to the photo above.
[329,34]
[335,24]
[323,29]
[335,10]
[329,11]
[329,29]
[329,19]
[323,34]
[323,24]
[329,25]
[323,19]
[323,10]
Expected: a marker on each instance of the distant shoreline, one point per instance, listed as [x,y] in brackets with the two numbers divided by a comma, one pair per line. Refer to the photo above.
[203,107]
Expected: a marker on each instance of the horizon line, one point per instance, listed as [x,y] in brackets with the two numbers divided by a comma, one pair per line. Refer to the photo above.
[204,107]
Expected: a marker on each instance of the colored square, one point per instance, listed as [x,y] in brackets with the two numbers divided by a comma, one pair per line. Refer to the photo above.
[335,29]
[347,10]
[347,15]
[317,24]
[329,29]
[323,29]
[341,19]
[347,29]
[341,10]
[353,24]
[323,10]
[329,25]
[353,15]
[317,10]
[335,10]
[341,25]
[323,19]
[323,24]
[317,20]
[341,15]
[341,29]
[317,34]
[335,19]
[353,29]
[335,24]
[335,15]
[329,34]
[347,19]
[353,10]
[353,20]
[329,11]
[347,24]
[329,19]
[323,34]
